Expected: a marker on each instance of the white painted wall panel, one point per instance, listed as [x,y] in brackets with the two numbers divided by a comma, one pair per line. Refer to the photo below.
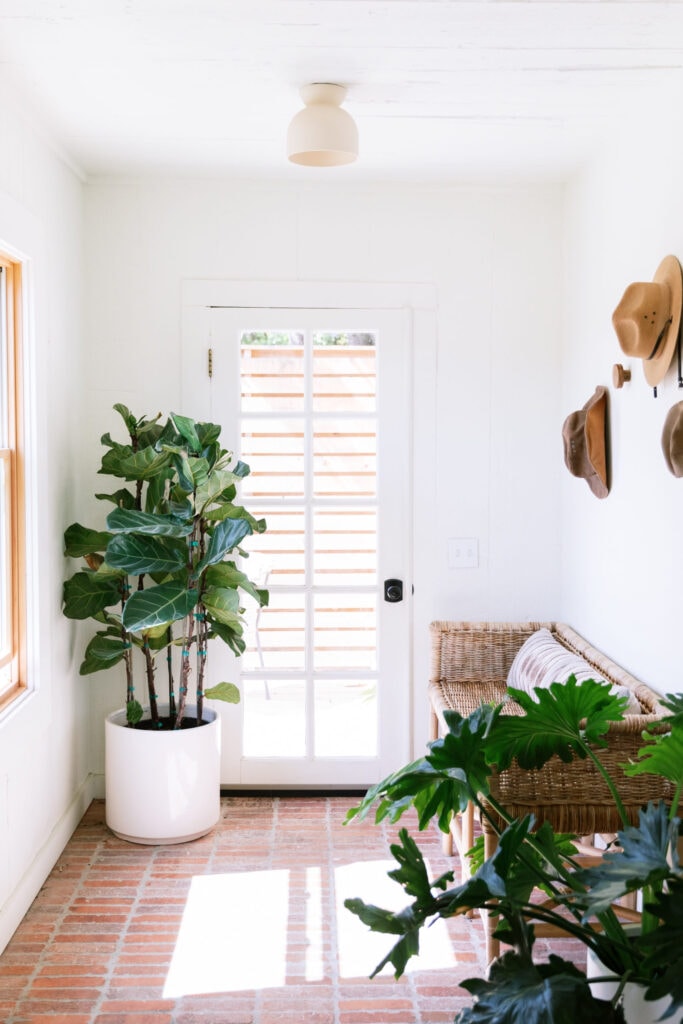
[623,556]
[44,755]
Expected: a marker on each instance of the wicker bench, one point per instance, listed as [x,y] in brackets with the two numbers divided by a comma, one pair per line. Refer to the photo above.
[469,665]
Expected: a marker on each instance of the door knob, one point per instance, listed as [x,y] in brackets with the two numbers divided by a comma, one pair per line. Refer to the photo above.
[393,591]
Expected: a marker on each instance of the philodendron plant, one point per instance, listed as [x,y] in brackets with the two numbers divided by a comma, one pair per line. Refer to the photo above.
[570,721]
[161,580]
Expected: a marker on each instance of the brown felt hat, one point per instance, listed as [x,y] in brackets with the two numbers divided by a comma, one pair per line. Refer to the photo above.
[648,319]
[585,442]
[672,439]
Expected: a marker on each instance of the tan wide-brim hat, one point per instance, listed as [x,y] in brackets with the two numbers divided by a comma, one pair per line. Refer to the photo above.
[585,443]
[648,319]
[672,439]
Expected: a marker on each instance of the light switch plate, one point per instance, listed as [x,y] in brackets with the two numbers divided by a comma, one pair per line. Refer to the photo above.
[463,553]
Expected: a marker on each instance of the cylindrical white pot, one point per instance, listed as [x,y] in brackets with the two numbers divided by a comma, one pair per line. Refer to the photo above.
[162,787]
[637,1009]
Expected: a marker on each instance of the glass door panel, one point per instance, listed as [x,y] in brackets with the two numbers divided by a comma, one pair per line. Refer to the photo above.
[317,399]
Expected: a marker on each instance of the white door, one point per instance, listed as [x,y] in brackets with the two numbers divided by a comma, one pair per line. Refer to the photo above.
[317,403]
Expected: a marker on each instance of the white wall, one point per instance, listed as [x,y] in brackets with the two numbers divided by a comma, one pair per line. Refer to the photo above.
[44,769]
[488,450]
[623,555]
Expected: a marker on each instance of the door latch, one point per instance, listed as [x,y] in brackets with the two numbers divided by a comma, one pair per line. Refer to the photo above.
[393,591]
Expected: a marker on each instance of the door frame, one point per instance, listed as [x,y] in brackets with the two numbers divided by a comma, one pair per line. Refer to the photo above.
[418,301]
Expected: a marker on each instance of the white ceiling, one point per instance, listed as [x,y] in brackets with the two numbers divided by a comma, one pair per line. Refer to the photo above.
[440,89]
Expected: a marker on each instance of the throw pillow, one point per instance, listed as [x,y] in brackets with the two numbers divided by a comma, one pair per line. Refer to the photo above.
[542,660]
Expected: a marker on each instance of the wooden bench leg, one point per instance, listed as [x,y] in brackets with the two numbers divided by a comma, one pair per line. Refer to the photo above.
[492,945]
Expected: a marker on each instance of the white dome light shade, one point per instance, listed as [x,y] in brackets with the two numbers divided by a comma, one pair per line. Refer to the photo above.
[322,134]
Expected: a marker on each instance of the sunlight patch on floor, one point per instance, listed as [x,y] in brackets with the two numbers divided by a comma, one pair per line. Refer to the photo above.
[233,934]
[360,950]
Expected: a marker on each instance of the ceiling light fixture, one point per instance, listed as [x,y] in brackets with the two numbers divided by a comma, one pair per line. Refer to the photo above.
[322,134]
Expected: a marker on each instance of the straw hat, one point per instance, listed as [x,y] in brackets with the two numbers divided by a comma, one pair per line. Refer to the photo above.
[672,439]
[648,319]
[585,443]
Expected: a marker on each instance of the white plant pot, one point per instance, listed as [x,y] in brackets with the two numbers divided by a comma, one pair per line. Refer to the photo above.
[162,787]
[637,1010]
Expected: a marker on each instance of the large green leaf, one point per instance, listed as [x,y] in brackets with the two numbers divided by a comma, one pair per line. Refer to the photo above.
[227,692]
[229,634]
[663,756]
[85,594]
[156,606]
[226,574]
[648,855]
[222,605]
[127,417]
[212,487]
[225,537]
[226,510]
[674,704]
[144,554]
[453,774]
[664,963]
[144,464]
[123,520]
[563,721]
[104,650]
[517,991]
[80,541]
[123,498]
[155,497]
[187,430]
[208,434]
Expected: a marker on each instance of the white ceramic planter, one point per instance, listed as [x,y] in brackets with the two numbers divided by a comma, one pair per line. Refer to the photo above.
[162,787]
[637,1010]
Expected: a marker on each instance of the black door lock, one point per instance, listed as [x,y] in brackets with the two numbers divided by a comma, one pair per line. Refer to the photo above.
[393,591]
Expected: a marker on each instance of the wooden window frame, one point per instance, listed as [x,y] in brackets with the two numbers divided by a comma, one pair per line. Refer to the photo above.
[14,658]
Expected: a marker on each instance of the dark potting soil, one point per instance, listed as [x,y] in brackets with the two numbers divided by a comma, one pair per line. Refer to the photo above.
[165,724]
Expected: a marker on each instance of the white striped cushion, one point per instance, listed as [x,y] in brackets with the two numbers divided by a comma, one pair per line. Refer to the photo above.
[542,660]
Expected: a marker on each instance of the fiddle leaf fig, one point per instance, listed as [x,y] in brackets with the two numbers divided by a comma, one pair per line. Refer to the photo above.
[227,692]
[187,430]
[161,561]
[87,593]
[123,462]
[222,604]
[105,649]
[122,520]
[225,538]
[159,605]
[134,712]
[140,554]
[79,541]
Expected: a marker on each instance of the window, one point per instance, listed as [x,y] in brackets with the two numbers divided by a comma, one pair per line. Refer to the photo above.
[12,615]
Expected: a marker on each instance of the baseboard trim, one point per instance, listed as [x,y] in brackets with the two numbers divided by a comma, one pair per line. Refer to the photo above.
[29,885]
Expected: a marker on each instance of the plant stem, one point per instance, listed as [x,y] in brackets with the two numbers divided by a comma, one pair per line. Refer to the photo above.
[169,663]
[127,651]
[609,783]
[151,689]
[188,639]
[202,639]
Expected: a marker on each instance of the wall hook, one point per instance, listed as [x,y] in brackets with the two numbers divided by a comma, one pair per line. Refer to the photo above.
[620,375]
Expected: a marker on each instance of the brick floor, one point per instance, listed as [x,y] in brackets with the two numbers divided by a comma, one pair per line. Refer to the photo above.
[245,926]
